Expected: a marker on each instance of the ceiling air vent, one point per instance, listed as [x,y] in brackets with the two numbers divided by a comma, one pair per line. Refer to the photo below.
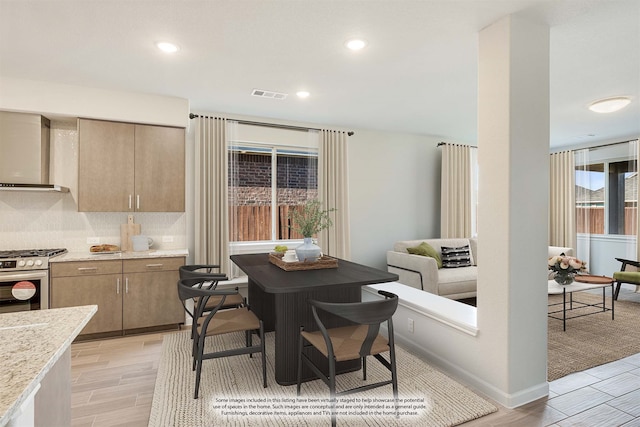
[268,94]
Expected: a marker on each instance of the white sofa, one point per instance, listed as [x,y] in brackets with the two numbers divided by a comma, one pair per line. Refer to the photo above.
[422,272]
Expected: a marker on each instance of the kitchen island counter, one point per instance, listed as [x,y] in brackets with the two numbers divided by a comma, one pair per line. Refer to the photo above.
[33,344]
[97,256]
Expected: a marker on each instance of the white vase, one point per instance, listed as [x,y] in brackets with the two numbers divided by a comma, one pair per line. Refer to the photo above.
[308,251]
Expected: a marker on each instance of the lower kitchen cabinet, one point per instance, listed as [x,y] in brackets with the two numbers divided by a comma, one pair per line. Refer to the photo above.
[101,290]
[90,282]
[130,294]
[151,293]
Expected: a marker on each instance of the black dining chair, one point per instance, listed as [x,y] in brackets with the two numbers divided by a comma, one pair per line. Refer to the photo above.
[199,270]
[218,322]
[354,342]
[192,271]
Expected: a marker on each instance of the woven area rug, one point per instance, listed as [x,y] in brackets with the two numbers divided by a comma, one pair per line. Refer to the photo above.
[592,340]
[231,393]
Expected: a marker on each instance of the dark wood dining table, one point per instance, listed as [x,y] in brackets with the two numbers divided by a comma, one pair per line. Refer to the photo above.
[280,299]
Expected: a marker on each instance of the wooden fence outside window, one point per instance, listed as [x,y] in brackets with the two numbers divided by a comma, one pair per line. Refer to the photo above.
[253,223]
[590,220]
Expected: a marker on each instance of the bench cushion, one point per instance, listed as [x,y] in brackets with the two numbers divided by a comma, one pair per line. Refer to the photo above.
[457,280]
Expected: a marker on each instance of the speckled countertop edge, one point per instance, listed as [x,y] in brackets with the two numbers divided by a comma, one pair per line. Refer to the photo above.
[88,256]
[32,342]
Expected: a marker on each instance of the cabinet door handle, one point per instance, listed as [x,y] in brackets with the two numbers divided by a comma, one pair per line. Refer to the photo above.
[130,201]
[154,265]
[138,201]
[126,285]
[118,286]
[85,269]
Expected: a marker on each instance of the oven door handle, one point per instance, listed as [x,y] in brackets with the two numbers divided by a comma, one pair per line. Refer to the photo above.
[23,276]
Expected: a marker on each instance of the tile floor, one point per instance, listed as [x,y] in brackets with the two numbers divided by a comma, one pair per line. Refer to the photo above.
[604,396]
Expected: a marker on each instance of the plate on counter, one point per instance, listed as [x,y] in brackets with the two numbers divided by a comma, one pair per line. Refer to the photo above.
[105,249]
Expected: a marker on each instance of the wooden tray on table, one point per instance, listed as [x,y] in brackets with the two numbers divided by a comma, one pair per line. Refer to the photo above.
[323,262]
[592,280]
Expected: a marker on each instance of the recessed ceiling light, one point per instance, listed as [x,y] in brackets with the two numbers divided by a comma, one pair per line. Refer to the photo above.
[609,105]
[167,47]
[303,94]
[355,44]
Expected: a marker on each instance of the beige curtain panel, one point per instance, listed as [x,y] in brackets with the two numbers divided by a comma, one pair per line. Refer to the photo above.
[333,192]
[211,206]
[455,192]
[562,200]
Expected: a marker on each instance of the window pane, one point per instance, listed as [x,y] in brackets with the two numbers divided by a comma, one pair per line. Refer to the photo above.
[607,198]
[623,197]
[590,199]
[297,181]
[249,194]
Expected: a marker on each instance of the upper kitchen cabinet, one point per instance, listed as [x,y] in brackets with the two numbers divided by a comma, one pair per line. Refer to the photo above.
[105,166]
[159,166]
[126,167]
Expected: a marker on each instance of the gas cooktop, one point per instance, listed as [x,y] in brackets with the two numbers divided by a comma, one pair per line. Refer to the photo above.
[29,253]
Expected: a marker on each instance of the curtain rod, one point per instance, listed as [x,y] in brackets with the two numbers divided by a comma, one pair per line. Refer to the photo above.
[598,146]
[270,125]
[568,149]
[445,143]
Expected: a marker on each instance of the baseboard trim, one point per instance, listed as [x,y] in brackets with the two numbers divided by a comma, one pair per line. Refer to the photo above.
[508,400]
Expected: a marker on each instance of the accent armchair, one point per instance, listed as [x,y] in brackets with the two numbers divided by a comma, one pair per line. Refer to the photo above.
[629,273]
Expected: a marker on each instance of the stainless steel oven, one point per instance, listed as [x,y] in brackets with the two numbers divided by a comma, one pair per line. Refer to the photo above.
[24,279]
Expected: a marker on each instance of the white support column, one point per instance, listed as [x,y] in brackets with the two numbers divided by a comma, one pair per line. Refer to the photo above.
[513,158]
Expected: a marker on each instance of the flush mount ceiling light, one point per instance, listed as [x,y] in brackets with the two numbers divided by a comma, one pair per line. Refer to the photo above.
[609,105]
[355,44]
[302,94]
[167,47]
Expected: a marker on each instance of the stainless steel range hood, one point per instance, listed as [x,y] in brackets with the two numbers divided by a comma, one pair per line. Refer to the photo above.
[24,153]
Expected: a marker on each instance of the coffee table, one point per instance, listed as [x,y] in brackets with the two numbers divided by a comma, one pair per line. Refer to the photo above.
[581,283]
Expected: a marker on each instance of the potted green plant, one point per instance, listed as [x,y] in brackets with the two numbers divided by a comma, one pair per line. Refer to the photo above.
[309,219]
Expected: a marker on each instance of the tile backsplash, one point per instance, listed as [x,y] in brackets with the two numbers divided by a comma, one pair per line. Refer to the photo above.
[50,220]
[41,220]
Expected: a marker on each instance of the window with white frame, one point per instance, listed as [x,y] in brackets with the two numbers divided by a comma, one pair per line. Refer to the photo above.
[267,180]
[607,190]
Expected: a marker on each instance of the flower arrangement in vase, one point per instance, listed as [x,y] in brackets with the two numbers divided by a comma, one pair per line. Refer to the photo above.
[566,268]
[309,219]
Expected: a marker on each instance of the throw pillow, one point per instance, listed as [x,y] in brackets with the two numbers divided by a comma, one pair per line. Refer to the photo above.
[426,249]
[456,257]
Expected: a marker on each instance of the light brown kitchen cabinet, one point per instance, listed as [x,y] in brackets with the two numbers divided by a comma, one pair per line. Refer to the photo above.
[126,167]
[159,166]
[88,283]
[151,292]
[105,166]
[130,294]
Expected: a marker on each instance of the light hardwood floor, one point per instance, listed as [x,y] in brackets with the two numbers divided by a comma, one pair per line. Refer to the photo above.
[113,381]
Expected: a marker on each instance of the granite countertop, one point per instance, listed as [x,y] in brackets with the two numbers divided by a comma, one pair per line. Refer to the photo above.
[96,256]
[32,342]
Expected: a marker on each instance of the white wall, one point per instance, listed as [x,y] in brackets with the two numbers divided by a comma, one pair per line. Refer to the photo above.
[55,99]
[394,192]
[601,252]
[513,203]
